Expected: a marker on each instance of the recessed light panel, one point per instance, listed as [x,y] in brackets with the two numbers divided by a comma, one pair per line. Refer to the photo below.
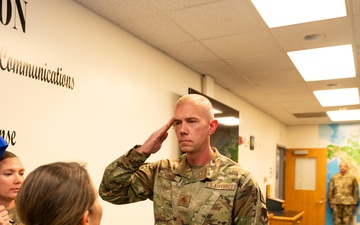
[326,63]
[277,13]
[344,115]
[338,97]
[228,121]
[216,111]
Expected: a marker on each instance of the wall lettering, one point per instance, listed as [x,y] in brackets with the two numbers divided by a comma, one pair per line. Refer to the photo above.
[10,12]
[9,136]
[17,66]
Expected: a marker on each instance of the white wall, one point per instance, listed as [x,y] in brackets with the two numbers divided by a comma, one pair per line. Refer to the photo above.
[306,136]
[268,133]
[124,90]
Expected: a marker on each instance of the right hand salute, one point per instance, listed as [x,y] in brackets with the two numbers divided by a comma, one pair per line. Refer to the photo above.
[154,142]
[4,217]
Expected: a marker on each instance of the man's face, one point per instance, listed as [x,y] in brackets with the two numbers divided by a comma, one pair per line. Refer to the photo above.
[343,167]
[192,128]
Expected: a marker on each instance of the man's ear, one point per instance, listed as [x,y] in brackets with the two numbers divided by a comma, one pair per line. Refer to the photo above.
[213,125]
[85,218]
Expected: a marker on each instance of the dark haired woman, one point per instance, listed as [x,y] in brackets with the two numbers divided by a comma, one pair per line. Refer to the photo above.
[11,179]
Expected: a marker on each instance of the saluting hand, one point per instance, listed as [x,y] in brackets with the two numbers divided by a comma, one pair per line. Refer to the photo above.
[4,217]
[154,142]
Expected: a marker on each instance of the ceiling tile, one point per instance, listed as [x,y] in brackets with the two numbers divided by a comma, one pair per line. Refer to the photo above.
[206,21]
[262,63]
[334,84]
[119,10]
[169,5]
[243,45]
[153,27]
[332,32]
[189,52]
[299,96]
[282,89]
[357,29]
[302,106]
[216,69]
[356,7]
[274,77]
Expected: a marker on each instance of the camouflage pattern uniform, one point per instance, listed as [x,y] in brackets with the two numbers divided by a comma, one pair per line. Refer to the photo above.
[14,220]
[221,192]
[343,194]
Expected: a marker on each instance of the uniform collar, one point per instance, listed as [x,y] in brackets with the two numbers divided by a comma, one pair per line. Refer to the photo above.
[208,171]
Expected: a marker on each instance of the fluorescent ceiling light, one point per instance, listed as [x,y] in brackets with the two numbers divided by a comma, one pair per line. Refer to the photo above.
[344,115]
[326,63]
[216,111]
[337,97]
[277,13]
[228,121]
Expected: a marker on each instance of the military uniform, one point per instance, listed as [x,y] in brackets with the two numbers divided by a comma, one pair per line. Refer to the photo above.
[14,220]
[221,192]
[343,194]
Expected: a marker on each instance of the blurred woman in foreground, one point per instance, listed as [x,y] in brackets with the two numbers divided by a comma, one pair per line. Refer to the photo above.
[60,193]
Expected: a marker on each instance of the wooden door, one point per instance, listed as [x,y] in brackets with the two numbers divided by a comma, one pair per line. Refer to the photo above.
[305,184]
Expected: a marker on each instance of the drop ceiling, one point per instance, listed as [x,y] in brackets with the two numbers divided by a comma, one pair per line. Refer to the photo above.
[230,42]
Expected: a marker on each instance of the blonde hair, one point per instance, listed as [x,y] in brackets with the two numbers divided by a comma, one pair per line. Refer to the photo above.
[202,102]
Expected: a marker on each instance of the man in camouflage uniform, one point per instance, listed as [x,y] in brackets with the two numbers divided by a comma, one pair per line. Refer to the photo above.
[343,195]
[200,187]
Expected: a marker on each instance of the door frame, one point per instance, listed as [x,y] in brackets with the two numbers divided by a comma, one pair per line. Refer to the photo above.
[313,203]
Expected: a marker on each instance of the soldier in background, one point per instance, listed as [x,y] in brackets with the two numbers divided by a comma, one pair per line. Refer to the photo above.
[343,195]
[200,187]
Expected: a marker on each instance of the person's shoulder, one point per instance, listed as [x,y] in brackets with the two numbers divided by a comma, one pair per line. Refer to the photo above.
[167,163]
[350,175]
[231,167]
[336,175]
[231,171]
[227,161]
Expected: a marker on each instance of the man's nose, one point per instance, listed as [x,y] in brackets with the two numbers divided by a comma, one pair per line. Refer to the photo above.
[183,128]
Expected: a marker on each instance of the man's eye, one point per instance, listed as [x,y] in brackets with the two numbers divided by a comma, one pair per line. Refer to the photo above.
[176,123]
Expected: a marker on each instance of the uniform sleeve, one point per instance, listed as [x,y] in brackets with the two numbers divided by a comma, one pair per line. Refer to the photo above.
[331,191]
[249,206]
[356,191]
[127,179]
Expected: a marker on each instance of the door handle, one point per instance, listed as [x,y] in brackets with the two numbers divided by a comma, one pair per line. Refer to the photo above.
[321,201]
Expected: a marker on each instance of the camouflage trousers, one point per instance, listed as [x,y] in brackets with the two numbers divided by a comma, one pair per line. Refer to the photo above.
[343,214]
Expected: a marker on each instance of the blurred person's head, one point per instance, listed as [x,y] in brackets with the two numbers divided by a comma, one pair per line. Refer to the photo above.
[11,178]
[343,167]
[60,193]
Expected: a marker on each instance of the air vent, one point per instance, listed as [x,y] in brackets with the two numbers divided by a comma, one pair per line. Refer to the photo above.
[310,115]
